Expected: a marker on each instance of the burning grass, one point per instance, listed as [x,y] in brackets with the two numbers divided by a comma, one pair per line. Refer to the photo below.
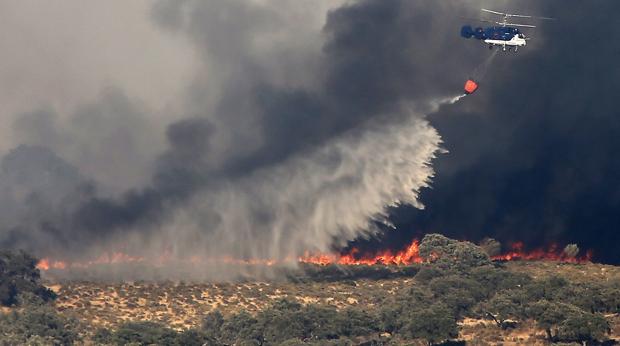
[352,257]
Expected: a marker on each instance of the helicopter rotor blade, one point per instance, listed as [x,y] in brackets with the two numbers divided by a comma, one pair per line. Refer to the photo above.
[494,12]
[479,20]
[532,17]
[507,15]
[518,16]
[521,25]
[544,18]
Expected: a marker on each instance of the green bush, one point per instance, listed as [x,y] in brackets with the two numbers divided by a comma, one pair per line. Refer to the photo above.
[506,305]
[428,273]
[241,327]
[212,324]
[584,327]
[289,321]
[435,324]
[194,337]
[550,289]
[34,323]
[494,279]
[355,322]
[459,293]
[151,333]
[396,312]
[446,253]
[593,296]
[144,333]
[18,274]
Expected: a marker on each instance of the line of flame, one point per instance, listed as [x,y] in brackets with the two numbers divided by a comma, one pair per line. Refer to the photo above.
[407,256]
[553,253]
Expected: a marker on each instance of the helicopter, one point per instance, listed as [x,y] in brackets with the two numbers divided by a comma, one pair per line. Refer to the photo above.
[505,36]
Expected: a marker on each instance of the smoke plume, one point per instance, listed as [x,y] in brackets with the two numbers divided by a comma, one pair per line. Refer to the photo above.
[299,127]
[532,156]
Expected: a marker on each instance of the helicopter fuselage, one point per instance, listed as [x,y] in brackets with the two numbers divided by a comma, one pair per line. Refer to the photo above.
[503,36]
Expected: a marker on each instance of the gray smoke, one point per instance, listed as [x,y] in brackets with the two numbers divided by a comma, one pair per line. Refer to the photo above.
[296,132]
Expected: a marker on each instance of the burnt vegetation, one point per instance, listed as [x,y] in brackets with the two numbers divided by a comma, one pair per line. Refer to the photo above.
[458,282]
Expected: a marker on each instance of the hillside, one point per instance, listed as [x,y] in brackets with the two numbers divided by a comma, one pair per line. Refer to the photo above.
[183,305]
[457,294]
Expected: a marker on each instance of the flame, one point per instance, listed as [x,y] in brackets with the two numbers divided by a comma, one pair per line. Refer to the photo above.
[407,256]
[553,253]
[45,264]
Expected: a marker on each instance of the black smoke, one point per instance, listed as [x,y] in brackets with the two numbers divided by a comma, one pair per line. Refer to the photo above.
[533,156]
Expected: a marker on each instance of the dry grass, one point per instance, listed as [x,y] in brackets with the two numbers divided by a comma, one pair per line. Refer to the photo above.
[182,306]
[573,272]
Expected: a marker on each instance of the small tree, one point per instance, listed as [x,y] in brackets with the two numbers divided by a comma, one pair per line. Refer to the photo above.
[571,250]
[583,327]
[40,323]
[451,254]
[459,293]
[194,337]
[547,289]
[550,315]
[434,324]
[493,279]
[355,322]
[18,274]
[241,327]
[212,324]
[491,246]
[144,333]
[502,307]
[397,311]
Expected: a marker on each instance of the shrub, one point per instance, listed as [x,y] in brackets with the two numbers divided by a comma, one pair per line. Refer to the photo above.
[550,315]
[593,297]
[451,254]
[355,322]
[427,273]
[37,323]
[434,324]
[583,327]
[18,274]
[397,311]
[507,305]
[493,279]
[491,246]
[459,293]
[194,337]
[241,327]
[212,324]
[143,333]
[549,289]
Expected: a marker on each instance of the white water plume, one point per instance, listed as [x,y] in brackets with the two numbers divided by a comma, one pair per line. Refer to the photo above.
[315,201]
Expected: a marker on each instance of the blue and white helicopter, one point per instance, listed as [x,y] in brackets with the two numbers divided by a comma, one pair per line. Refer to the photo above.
[506,36]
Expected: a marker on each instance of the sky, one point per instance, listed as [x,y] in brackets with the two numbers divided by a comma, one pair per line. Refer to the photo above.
[269,128]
